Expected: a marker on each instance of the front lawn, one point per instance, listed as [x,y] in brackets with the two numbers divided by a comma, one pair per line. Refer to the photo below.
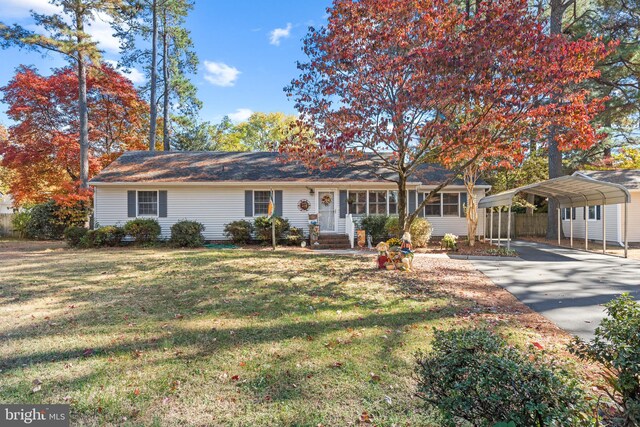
[235,337]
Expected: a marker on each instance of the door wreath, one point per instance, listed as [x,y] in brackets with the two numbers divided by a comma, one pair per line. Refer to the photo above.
[326,199]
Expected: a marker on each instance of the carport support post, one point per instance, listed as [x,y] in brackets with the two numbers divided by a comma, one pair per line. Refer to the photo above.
[509,229]
[626,227]
[499,225]
[491,225]
[571,210]
[559,226]
[604,229]
[586,228]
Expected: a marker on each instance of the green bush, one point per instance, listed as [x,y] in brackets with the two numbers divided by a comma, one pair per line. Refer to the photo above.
[239,231]
[109,235]
[143,230]
[295,236]
[617,347]
[374,225]
[475,376]
[73,235]
[420,230]
[449,241]
[187,234]
[48,220]
[20,222]
[263,228]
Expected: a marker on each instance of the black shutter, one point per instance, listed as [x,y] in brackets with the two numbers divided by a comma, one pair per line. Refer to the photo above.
[162,205]
[248,203]
[412,201]
[343,203]
[278,203]
[463,203]
[420,200]
[598,212]
[574,213]
[131,203]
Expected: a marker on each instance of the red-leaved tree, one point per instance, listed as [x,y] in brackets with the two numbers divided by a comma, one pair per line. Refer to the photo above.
[409,82]
[41,151]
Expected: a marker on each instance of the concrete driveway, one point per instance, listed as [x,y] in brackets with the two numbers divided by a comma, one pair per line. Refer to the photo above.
[566,286]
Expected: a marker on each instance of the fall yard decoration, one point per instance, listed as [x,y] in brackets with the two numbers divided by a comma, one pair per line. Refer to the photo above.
[411,82]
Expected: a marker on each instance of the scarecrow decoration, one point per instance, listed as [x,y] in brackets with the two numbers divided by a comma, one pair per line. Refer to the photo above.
[396,257]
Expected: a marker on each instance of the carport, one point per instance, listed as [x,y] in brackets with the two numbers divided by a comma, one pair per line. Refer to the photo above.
[568,192]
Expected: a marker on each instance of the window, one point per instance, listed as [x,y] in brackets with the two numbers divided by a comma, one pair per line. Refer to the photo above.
[357,202]
[147,203]
[450,204]
[261,202]
[377,202]
[393,202]
[433,208]
[568,211]
[594,213]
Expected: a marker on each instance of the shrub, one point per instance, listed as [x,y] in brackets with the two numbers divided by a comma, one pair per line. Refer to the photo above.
[187,234]
[239,231]
[617,347]
[49,220]
[20,221]
[73,235]
[109,235]
[143,230]
[374,225]
[449,241]
[420,230]
[474,375]
[295,236]
[263,228]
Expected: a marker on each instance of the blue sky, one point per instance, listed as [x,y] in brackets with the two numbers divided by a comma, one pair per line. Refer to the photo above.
[247,51]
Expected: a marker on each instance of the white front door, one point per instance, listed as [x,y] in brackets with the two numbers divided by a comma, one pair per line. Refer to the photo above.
[326,211]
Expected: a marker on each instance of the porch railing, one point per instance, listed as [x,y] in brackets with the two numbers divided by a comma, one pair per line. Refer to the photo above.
[350,229]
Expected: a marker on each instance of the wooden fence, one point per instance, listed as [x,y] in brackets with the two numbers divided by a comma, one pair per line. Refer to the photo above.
[6,225]
[521,224]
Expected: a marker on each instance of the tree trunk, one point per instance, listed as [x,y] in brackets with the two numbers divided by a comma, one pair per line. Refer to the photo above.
[82,107]
[471,175]
[165,74]
[84,123]
[402,204]
[153,107]
[555,156]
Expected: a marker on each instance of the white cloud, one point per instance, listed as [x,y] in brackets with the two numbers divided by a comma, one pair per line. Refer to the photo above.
[99,29]
[240,115]
[133,74]
[220,74]
[22,8]
[280,33]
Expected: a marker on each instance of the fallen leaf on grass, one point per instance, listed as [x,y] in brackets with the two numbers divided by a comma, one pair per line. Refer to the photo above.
[374,377]
[235,378]
[538,345]
[87,352]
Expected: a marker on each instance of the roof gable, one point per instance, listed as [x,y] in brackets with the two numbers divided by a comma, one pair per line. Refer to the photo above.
[629,178]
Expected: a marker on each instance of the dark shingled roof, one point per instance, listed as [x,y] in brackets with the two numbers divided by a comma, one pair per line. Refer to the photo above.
[629,178]
[214,166]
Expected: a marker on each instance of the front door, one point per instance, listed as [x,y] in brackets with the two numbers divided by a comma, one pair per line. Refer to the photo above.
[326,211]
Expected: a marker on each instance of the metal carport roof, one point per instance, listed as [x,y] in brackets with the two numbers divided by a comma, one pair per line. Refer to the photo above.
[576,190]
[569,191]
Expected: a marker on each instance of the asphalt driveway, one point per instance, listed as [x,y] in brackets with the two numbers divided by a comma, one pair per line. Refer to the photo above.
[566,286]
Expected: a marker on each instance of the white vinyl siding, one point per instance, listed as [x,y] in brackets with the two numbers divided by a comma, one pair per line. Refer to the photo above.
[215,206]
[612,214]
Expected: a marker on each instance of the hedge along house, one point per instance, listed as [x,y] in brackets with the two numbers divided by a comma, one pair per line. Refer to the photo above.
[216,188]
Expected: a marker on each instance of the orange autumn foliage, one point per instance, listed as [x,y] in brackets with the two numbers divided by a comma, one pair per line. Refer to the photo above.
[41,150]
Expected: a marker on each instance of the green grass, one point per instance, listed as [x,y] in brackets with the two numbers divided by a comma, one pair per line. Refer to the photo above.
[236,337]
